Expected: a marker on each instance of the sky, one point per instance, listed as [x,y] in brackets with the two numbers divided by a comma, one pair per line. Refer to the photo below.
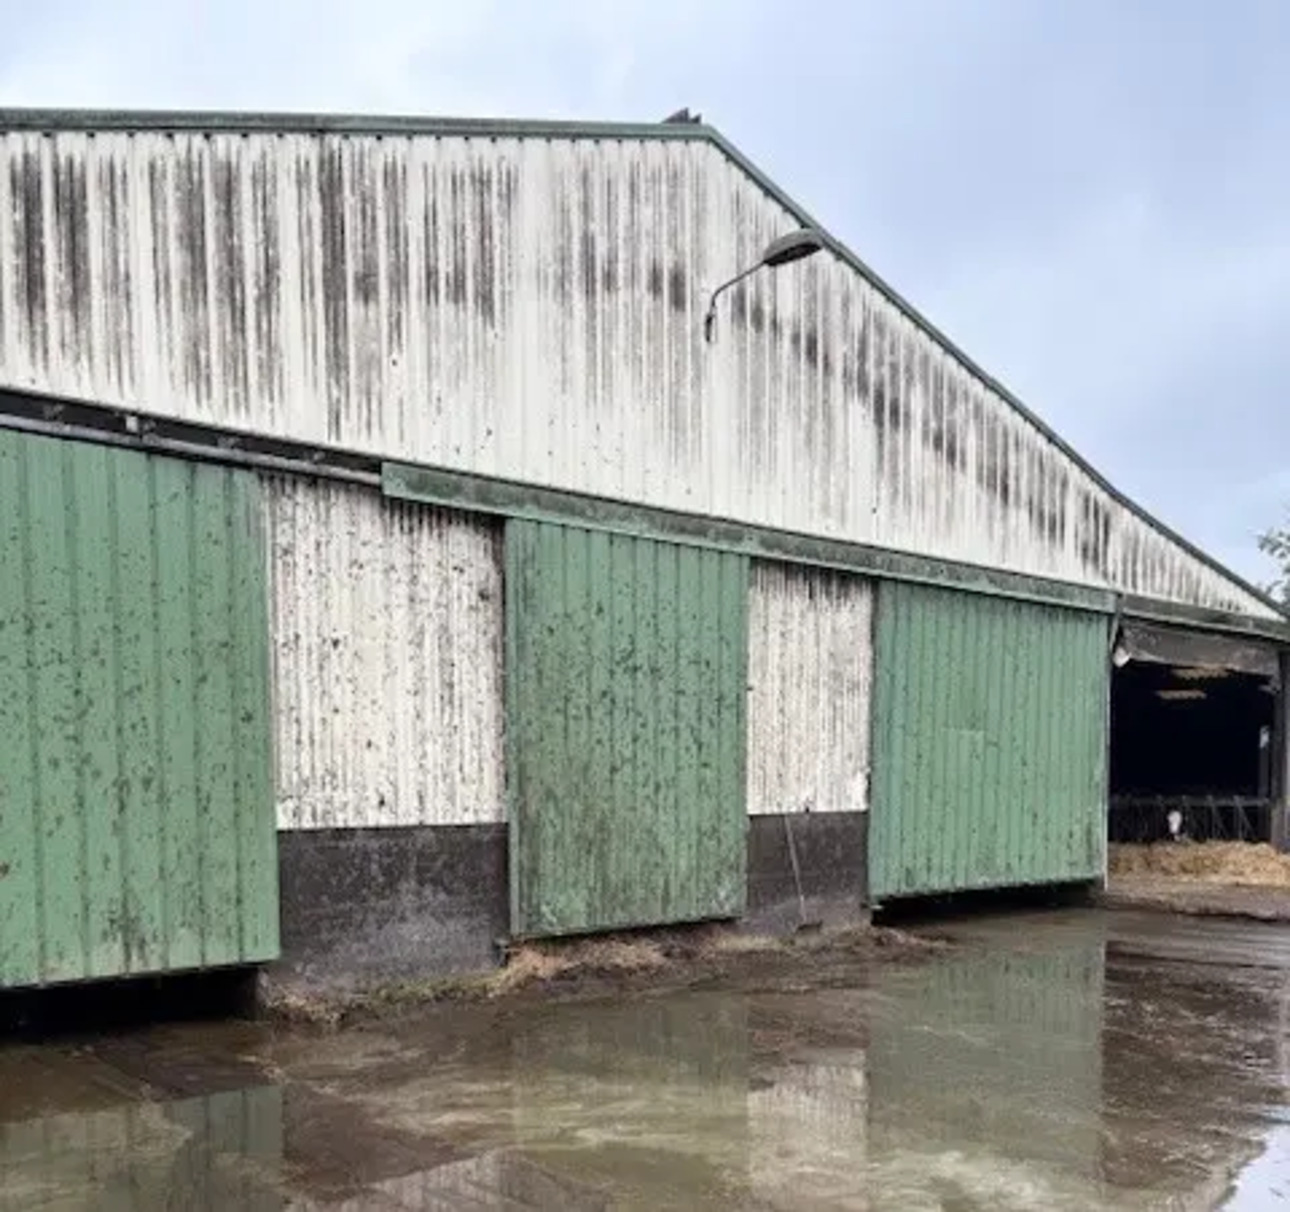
[1091,197]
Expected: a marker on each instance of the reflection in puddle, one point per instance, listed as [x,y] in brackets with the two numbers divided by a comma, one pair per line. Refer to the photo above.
[1058,1061]
[218,1151]
[986,1073]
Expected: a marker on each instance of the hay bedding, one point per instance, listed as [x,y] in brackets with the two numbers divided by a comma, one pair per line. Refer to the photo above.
[1236,863]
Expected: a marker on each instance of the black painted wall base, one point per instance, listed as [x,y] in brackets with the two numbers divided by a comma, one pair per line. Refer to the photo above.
[832,865]
[367,906]
[362,907]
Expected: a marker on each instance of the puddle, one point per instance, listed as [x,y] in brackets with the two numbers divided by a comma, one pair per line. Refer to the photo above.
[1065,1060]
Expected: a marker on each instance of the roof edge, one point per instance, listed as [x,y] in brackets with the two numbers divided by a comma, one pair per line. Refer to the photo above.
[233,122]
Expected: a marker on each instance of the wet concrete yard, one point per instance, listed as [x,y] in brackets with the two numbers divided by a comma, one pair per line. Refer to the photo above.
[1075,1059]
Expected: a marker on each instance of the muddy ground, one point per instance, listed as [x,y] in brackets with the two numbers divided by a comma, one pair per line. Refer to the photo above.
[1220,879]
[1072,1059]
[656,962]
[1189,896]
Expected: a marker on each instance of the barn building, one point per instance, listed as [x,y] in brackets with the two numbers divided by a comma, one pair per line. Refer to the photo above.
[392,565]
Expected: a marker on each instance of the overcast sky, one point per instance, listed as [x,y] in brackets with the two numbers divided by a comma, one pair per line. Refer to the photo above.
[1091,196]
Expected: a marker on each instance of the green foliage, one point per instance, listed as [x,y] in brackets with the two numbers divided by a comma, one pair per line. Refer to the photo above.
[1275,544]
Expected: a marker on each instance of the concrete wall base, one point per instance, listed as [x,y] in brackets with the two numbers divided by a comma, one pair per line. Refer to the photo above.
[366,907]
[832,864]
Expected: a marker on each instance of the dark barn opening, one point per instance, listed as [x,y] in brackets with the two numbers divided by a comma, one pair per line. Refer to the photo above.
[1192,721]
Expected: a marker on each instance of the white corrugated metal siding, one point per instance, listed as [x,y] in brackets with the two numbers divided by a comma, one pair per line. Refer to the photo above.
[387,660]
[530,308]
[810,670]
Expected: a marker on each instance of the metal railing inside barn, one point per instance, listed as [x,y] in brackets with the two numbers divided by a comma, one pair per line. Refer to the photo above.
[1228,818]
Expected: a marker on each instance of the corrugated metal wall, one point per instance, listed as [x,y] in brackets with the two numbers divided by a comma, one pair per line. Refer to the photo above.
[810,663]
[136,820]
[626,686]
[990,743]
[530,308]
[387,659]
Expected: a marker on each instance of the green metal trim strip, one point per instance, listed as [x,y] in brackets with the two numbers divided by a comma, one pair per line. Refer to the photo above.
[53,120]
[458,490]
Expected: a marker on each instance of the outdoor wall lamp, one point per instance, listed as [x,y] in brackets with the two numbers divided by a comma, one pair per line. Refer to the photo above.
[783,250]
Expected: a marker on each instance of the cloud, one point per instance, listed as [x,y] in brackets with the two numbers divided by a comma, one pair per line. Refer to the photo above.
[482,58]
[1154,345]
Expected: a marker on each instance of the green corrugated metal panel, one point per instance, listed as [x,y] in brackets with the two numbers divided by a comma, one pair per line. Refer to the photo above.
[625,730]
[990,743]
[136,810]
